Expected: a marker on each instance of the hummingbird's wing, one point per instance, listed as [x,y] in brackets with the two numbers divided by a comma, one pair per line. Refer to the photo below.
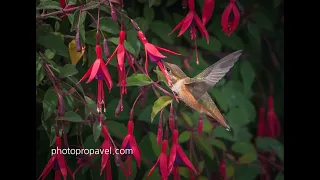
[218,70]
[210,76]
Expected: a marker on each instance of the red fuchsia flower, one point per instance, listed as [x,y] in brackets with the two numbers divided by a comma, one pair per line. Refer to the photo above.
[121,53]
[105,161]
[58,163]
[207,11]
[99,71]
[222,169]
[161,162]
[190,21]
[64,5]
[230,21]
[129,142]
[262,128]
[177,157]
[273,122]
[155,56]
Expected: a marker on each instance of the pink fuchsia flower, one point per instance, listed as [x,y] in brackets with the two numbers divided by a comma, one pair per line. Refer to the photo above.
[190,22]
[152,51]
[105,161]
[99,71]
[58,163]
[177,157]
[129,142]
[207,11]
[272,119]
[230,18]
[121,53]
[161,162]
[64,5]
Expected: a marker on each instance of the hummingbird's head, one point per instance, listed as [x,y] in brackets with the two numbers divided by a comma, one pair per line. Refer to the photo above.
[174,72]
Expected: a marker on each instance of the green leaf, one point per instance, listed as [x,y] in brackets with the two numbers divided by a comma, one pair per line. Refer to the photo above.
[50,101]
[76,19]
[247,158]
[90,144]
[221,132]
[74,82]
[170,2]
[237,117]
[159,104]
[221,99]
[262,21]
[246,172]
[52,135]
[214,44]
[230,170]
[280,176]
[186,120]
[233,41]
[148,13]
[52,41]
[254,31]
[112,105]
[218,143]
[134,41]
[149,147]
[243,147]
[40,71]
[71,117]
[49,5]
[184,136]
[68,70]
[160,75]
[247,74]
[203,145]
[96,130]
[138,80]
[108,25]
[116,129]
[50,53]
[266,144]
[151,2]
[162,30]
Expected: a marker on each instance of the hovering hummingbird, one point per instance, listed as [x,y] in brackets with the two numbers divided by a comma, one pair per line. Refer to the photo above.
[193,91]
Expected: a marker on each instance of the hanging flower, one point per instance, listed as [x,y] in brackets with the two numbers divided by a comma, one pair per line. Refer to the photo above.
[99,71]
[207,11]
[105,161]
[64,5]
[58,163]
[190,22]
[129,142]
[161,162]
[177,157]
[230,18]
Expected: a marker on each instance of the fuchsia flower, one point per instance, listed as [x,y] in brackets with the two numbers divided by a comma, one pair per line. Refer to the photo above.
[155,56]
[261,129]
[58,163]
[121,53]
[222,169]
[64,5]
[99,71]
[105,161]
[273,122]
[207,11]
[161,162]
[129,142]
[190,21]
[177,157]
[230,21]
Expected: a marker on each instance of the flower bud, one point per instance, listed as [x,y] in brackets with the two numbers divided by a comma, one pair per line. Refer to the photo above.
[78,42]
[106,48]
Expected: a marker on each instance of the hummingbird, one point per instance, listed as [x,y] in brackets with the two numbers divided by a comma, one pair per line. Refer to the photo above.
[193,91]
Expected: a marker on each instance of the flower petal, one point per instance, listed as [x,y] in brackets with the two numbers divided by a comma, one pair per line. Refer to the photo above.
[186,22]
[236,19]
[86,75]
[185,159]
[48,167]
[153,50]
[225,18]
[207,11]
[167,50]
[177,26]
[163,166]
[120,56]
[146,63]
[130,61]
[136,151]
[201,27]
[57,175]
[95,68]
[172,157]
[104,157]
[62,166]
[152,169]
[110,58]
[106,75]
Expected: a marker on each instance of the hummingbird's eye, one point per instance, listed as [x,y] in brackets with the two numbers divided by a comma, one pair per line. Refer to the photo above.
[168,69]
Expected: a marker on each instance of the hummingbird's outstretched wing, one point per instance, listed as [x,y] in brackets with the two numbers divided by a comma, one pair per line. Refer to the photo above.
[210,76]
